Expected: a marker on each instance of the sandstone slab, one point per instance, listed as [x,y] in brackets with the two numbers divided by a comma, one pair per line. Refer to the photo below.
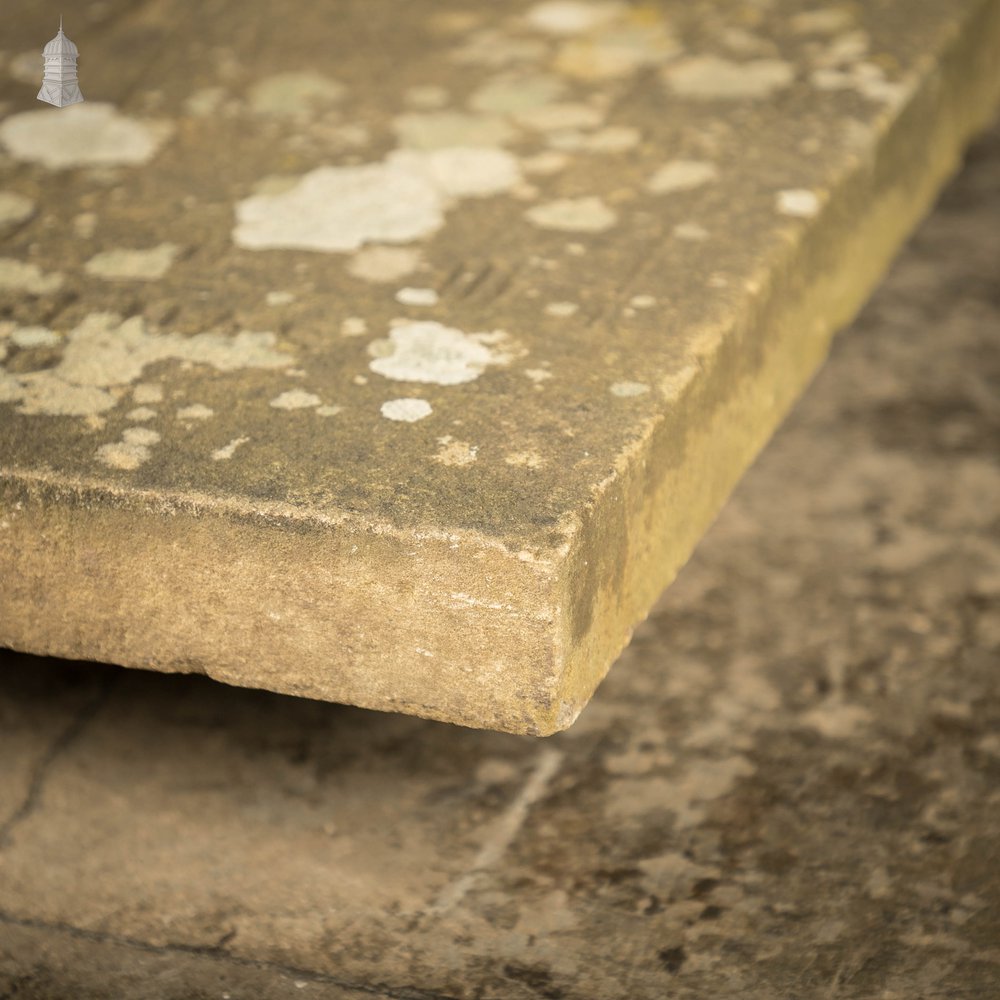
[787,787]
[403,360]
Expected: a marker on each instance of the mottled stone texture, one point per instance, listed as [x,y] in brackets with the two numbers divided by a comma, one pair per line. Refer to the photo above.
[400,356]
[788,787]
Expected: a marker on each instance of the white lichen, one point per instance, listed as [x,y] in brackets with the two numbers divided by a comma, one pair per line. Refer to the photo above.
[618,51]
[103,353]
[560,116]
[354,326]
[433,353]
[295,399]
[417,297]
[401,199]
[613,139]
[16,275]
[121,455]
[715,78]
[682,175]
[426,96]
[227,451]
[627,389]
[379,264]
[407,410]
[524,459]
[512,92]
[294,94]
[561,309]
[798,202]
[34,336]
[14,209]
[824,21]
[133,265]
[147,392]
[82,135]
[455,453]
[572,17]
[690,231]
[573,215]
[196,411]
[450,129]
[131,451]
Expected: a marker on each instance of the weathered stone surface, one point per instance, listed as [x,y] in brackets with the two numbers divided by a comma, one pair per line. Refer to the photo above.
[401,360]
[788,787]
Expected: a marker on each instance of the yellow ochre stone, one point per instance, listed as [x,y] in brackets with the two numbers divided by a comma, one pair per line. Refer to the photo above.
[440,394]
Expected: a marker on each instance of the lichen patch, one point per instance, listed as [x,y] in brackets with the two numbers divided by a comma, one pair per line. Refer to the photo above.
[572,17]
[447,129]
[147,392]
[510,92]
[682,175]
[103,352]
[402,199]
[133,265]
[433,353]
[140,435]
[294,94]
[380,264]
[417,296]
[196,411]
[34,336]
[455,453]
[426,96]
[524,459]
[354,326]
[798,202]
[295,399]
[122,455]
[613,139]
[626,389]
[562,115]
[227,451]
[82,135]
[865,78]
[16,275]
[14,209]
[561,309]
[715,78]
[618,51]
[823,21]
[692,231]
[407,410]
[131,451]
[573,215]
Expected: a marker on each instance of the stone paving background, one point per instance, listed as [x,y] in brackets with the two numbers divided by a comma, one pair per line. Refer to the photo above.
[787,787]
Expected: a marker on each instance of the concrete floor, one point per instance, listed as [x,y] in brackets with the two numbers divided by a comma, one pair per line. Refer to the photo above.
[787,787]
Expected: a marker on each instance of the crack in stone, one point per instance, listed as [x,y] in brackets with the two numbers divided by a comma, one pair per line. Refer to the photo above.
[502,833]
[56,749]
[216,953]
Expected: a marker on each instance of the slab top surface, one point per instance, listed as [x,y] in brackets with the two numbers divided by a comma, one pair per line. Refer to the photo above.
[400,355]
